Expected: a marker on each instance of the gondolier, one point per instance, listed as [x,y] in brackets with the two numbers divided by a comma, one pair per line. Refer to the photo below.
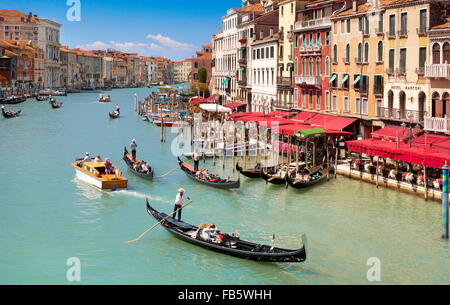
[179,203]
[196,160]
[133,147]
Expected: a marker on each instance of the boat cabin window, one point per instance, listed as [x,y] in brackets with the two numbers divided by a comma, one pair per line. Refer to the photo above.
[101,170]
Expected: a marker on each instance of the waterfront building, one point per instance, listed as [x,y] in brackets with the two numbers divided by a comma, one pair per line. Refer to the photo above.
[107,63]
[287,11]
[312,60]
[264,53]
[186,70]
[254,22]
[202,60]
[437,71]
[177,71]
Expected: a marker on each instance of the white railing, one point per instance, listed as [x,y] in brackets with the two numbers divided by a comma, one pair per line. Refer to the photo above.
[300,25]
[437,70]
[437,124]
[308,80]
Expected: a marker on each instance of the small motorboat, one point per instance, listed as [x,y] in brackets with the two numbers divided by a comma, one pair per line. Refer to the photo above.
[229,244]
[41,98]
[149,174]
[10,114]
[104,98]
[95,174]
[215,181]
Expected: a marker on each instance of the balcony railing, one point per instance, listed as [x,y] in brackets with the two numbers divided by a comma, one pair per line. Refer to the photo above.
[422,31]
[346,60]
[391,35]
[390,71]
[403,34]
[308,80]
[242,82]
[379,31]
[242,61]
[402,114]
[437,70]
[310,49]
[437,124]
[400,71]
[308,24]
[284,81]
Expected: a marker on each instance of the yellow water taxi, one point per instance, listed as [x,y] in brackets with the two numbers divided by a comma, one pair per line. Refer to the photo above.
[94,173]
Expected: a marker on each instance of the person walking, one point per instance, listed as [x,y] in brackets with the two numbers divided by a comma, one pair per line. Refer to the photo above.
[133,147]
[179,203]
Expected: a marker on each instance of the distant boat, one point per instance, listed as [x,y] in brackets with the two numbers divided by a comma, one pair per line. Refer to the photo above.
[12,100]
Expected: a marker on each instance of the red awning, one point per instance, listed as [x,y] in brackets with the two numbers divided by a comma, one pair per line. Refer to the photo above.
[281,114]
[198,101]
[213,98]
[234,105]
[290,130]
[242,114]
[304,116]
[393,133]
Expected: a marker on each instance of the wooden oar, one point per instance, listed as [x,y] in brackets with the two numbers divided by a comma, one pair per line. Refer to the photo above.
[169,172]
[157,224]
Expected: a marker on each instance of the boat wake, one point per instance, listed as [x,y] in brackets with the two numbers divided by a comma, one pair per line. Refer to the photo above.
[138,195]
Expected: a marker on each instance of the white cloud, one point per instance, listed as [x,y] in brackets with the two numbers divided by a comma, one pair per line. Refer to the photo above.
[170,43]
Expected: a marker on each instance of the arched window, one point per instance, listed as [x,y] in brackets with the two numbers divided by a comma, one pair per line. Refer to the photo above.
[335,53]
[436,54]
[436,106]
[446,51]
[359,52]
[318,67]
[347,53]
[304,66]
[296,66]
[327,66]
[380,51]
[366,52]
[311,67]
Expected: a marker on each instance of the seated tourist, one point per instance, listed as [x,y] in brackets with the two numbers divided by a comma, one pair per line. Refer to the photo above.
[108,167]
[98,159]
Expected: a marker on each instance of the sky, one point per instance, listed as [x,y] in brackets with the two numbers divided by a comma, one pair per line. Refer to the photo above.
[172,28]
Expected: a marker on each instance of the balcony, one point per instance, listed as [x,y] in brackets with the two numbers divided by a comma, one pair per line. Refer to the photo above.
[422,31]
[284,81]
[391,35]
[310,49]
[420,71]
[242,83]
[390,71]
[437,70]
[346,60]
[359,61]
[403,34]
[413,116]
[437,124]
[310,24]
[308,80]
[400,71]
[379,31]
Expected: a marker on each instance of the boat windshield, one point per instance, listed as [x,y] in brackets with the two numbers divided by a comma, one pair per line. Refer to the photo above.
[101,170]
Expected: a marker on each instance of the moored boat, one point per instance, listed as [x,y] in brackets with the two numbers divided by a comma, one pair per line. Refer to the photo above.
[274,175]
[217,182]
[229,244]
[149,174]
[94,173]
[41,98]
[307,179]
[249,173]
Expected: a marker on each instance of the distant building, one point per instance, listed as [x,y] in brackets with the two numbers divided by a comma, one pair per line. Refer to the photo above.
[203,59]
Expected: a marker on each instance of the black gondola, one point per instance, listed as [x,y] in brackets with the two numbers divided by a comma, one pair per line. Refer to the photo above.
[10,114]
[231,245]
[315,178]
[41,98]
[128,160]
[12,100]
[55,104]
[270,177]
[114,115]
[249,173]
[220,183]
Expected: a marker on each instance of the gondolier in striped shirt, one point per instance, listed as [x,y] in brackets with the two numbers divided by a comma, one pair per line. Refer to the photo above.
[196,160]
[179,203]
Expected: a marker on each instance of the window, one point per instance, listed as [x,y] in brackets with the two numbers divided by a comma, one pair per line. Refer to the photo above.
[311,72]
[366,25]
[318,67]
[327,39]
[380,22]
[262,53]
[436,54]
[335,27]
[318,100]
[334,80]
[257,54]
[380,51]
[366,52]
[310,99]
[347,53]
[335,54]
[334,105]
[365,106]
[281,51]
[327,100]
[292,8]
[422,59]
[348,25]
[304,66]
[402,61]
[358,105]
[346,104]
[196,65]
[404,24]
[318,39]
[378,85]
[391,25]
[272,52]
[345,81]
[360,24]
[327,66]
[303,99]
[359,59]
[423,21]
[379,107]
[356,81]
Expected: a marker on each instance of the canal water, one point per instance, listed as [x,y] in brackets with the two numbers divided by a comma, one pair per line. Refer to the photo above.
[47,216]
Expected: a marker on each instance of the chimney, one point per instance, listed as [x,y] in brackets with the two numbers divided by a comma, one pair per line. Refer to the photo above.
[355,5]
[271,32]
[30,15]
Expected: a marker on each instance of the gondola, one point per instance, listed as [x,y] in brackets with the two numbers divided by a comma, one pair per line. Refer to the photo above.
[128,160]
[316,178]
[55,104]
[231,245]
[41,98]
[249,173]
[12,100]
[220,183]
[269,177]
[114,115]
[10,114]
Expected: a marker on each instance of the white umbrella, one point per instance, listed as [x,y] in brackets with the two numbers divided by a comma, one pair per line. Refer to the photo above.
[215,108]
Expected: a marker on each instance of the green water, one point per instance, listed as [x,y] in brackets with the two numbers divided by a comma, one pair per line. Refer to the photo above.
[47,216]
